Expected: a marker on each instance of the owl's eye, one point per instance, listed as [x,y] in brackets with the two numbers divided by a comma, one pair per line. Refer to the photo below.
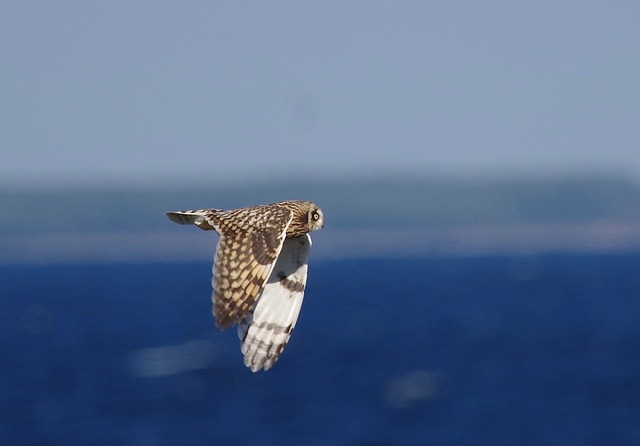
[315,216]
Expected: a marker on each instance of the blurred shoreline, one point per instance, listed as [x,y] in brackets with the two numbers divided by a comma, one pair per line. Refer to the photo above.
[193,245]
[376,217]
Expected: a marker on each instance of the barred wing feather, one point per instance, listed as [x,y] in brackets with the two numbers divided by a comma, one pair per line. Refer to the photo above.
[265,331]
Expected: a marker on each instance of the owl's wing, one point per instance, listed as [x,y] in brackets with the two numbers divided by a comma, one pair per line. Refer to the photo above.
[266,329]
[203,218]
[250,241]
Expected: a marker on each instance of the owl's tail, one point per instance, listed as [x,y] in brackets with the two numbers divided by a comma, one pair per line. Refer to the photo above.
[194,217]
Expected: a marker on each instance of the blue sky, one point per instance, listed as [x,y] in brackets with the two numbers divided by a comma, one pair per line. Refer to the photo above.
[179,92]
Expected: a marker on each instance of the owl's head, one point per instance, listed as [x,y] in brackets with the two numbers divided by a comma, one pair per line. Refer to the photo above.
[315,217]
[307,217]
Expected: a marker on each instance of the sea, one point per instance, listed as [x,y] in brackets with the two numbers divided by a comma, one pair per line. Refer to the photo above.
[442,350]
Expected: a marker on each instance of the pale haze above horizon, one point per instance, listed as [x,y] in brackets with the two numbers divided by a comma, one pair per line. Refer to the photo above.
[181,92]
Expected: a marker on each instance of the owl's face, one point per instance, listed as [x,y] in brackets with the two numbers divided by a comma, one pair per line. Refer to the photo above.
[315,218]
[307,217]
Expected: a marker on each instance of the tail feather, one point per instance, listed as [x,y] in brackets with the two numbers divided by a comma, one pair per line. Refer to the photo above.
[193,217]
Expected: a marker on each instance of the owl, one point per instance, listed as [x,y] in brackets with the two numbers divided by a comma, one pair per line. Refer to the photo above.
[259,271]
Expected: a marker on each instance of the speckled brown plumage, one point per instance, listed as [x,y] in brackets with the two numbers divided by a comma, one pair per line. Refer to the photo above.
[250,241]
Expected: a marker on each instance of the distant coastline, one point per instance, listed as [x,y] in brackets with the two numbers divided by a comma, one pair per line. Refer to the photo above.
[196,246]
[365,218]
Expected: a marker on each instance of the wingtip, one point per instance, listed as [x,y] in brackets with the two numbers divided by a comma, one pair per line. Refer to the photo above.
[256,364]
[197,217]
[175,217]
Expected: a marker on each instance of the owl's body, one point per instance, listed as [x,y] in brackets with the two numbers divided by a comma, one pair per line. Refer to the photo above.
[259,271]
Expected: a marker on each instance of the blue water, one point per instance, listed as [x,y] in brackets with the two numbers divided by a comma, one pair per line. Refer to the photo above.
[480,351]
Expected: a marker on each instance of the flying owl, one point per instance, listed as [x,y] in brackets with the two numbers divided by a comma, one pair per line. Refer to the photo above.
[259,271]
